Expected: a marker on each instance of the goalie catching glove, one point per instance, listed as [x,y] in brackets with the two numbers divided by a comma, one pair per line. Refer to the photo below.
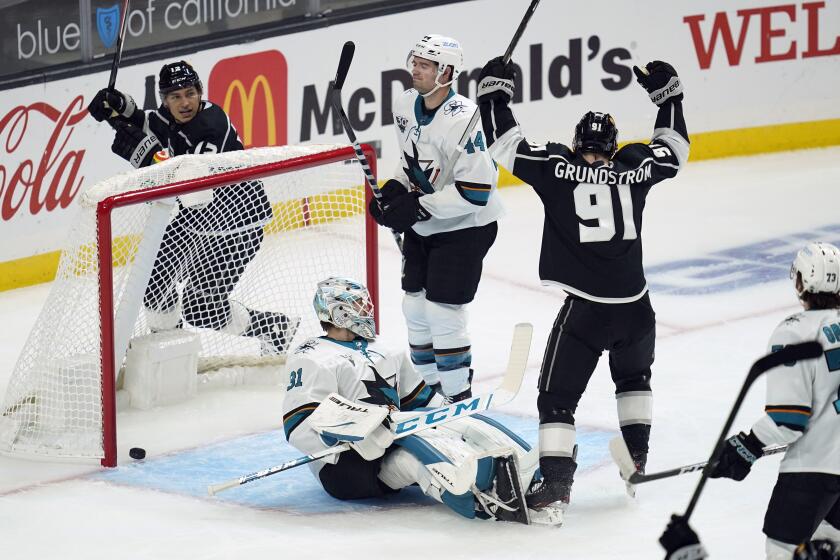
[660,80]
[134,145]
[109,103]
[363,426]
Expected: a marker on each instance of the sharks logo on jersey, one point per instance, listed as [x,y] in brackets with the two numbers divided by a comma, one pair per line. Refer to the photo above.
[380,392]
[420,172]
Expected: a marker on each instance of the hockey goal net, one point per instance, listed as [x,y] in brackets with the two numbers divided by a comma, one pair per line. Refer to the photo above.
[234,258]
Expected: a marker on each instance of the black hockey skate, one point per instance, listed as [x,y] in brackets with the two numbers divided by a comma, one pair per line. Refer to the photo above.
[275,331]
[508,502]
[556,485]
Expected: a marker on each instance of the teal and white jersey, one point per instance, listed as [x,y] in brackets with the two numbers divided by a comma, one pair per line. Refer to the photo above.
[803,398]
[426,141]
[360,370]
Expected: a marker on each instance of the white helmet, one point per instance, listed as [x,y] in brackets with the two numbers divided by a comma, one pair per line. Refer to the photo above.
[819,265]
[346,304]
[446,51]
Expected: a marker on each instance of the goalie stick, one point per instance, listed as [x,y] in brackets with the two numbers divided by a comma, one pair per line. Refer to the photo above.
[407,423]
[344,62]
[453,158]
[621,456]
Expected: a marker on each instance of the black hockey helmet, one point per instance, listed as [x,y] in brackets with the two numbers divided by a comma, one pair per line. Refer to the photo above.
[178,75]
[817,550]
[596,132]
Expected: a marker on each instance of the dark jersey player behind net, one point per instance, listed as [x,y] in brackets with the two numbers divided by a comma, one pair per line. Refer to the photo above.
[592,248]
[216,233]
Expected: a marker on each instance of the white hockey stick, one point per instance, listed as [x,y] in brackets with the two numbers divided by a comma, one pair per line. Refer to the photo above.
[407,423]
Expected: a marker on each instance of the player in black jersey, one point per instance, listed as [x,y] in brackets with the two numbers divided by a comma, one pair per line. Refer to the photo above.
[216,233]
[593,195]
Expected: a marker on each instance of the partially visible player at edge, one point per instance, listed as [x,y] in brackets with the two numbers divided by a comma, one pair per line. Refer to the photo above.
[216,233]
[593,196]
[474,465]
[449,224]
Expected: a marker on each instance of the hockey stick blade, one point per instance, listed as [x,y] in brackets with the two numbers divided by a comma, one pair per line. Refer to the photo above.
[344,65]
[413,422]
[622,458]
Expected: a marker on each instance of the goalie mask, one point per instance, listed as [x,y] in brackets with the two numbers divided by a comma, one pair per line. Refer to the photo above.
[346,304]
[445,51]
[819,265]
[177,75]
[596,132]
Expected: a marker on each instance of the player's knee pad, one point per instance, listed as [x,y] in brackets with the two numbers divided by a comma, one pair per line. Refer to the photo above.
[826,530]
[417,324]
[778,550]
[163,320]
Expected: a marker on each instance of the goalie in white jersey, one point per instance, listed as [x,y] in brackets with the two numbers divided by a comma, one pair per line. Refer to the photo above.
[448,215]
[802,411]
[345,386]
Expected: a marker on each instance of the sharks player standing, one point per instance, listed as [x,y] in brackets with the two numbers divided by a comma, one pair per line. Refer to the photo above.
[803,412]
[594,195]
[448,215]
[346,386]
[216,233]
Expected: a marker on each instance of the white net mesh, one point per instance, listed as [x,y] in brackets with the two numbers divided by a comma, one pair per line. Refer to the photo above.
[238,264]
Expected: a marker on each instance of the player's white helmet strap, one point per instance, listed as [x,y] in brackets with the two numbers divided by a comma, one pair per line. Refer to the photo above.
[346,304]
[445,51]
[819,265]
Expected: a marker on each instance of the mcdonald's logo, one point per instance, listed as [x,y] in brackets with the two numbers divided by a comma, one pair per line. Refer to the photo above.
[253,91]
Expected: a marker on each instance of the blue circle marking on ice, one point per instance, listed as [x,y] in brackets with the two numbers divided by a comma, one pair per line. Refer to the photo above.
[191,472]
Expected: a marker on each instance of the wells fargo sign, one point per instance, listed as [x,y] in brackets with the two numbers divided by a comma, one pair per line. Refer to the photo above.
[252,89]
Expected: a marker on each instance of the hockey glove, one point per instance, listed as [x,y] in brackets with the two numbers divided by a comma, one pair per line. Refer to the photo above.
[109,103]
[404,212]
[660,80]
[497,81]
[738,455]
[680,541]
[134,145]
[391,191]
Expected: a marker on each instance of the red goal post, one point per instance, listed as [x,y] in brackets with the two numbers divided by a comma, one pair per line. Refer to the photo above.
[322,202]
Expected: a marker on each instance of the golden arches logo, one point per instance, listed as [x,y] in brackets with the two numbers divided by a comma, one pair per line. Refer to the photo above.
[246,103]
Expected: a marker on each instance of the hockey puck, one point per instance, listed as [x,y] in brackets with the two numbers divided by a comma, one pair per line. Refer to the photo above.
[137,453]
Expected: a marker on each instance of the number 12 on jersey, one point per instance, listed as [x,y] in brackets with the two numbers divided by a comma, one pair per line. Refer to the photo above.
[594,202]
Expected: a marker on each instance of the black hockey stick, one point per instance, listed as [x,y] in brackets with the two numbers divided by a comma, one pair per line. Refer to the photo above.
[115,64]
[788,354]
[450,163]
[621,456]
[408,423]
[340,75]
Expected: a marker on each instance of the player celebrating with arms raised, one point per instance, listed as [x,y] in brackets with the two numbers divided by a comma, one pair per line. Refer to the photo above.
[593,195]
[216,233]
[448,215]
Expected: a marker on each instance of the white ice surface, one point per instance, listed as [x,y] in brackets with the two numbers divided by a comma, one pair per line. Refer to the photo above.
[705,346]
